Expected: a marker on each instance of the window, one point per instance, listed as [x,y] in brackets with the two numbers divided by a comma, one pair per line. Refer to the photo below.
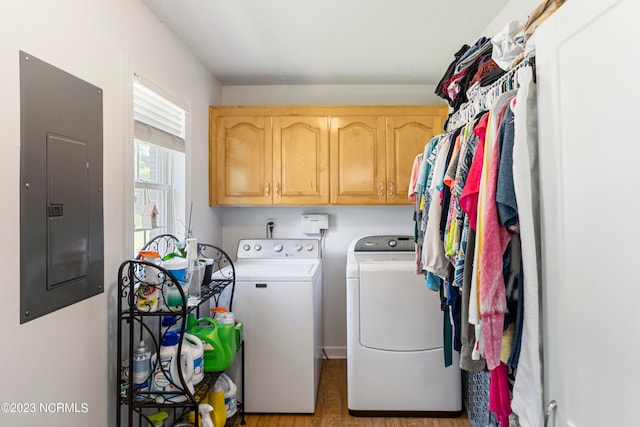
[159,165]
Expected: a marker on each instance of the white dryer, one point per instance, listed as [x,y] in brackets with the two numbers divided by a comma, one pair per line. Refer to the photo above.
[278,297]
[395,355]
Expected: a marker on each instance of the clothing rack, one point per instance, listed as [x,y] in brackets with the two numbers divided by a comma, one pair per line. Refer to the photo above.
[484,99]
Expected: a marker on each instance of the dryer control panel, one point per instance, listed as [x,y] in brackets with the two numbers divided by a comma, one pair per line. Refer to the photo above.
[387,243]
[278,248]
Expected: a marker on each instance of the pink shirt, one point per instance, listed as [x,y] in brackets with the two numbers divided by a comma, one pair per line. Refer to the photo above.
[417,162]
[469,198]
[495,238]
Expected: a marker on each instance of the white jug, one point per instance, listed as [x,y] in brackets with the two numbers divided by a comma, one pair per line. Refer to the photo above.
[230,391]
[165,378]
[194,346]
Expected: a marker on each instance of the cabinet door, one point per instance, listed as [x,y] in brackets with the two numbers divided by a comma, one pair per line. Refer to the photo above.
[244,160]
[300,161]
[357,149]
[406,138]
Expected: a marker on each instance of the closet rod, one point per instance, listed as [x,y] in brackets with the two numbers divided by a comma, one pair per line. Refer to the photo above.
[472,107]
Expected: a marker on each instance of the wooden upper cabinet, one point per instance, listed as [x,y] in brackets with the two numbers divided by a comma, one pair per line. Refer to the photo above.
[264,160]
[300,160]
[317,155]
[244,160]
[357,147]
[406,138]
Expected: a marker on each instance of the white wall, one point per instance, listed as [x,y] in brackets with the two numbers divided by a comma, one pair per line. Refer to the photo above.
[331,95]
[514,10]
[69,356]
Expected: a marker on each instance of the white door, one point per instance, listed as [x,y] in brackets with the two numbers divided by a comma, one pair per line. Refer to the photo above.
[589,109]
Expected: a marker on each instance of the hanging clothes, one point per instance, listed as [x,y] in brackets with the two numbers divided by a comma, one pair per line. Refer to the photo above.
[527,390]
[493,240]
[475,198]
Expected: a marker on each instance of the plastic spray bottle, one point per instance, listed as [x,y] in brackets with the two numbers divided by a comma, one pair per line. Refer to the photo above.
[158,419]
[205,415]
[193,269]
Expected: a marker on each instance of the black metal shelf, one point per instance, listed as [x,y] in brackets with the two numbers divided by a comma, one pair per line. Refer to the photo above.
[139,320]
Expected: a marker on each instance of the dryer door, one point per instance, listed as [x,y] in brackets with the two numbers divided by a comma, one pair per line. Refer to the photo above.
[397,311]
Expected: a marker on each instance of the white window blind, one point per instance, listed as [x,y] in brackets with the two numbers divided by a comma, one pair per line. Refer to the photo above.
[158,120]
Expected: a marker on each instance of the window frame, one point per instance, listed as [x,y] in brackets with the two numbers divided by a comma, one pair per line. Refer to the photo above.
[172,149]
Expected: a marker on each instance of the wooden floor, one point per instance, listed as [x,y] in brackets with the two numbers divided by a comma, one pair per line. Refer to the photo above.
[331,408]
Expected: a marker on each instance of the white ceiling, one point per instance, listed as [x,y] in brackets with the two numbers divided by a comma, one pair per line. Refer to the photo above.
[272,42]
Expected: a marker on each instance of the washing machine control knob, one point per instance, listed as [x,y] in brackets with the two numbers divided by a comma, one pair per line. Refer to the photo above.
[246,247]
[392,243]
[278,247]
[298,247]
[309,247]
[257,247]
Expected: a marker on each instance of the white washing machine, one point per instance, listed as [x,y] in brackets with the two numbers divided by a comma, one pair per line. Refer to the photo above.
[395,355]
[278,297]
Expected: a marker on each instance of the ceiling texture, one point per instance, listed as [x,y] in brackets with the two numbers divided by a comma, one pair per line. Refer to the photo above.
[287,42]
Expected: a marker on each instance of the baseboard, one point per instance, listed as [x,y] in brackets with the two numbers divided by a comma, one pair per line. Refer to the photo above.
[336,352]
[413,414]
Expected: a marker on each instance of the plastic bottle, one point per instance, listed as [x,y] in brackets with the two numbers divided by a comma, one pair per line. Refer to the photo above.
[217,400]
[158,419]
[205,415]
[217,355]
[168,324]
[141,370]
[193,269]
[194,346]
[230,391]
[171,294]
[165,378]
[227,331]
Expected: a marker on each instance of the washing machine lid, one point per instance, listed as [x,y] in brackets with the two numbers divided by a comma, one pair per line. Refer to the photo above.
[382,248]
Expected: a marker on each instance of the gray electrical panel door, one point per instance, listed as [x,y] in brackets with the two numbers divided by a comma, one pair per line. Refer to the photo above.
[61,206]
[67,205]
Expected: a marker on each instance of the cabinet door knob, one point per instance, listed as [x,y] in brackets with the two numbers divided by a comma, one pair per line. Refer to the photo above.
[391,189]
[277,189]
[381,188]
[267,189]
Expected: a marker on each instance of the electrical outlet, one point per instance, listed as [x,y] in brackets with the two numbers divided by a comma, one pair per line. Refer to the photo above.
[270,228]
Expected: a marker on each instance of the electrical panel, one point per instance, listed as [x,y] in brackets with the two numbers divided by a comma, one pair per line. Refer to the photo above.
[61,173]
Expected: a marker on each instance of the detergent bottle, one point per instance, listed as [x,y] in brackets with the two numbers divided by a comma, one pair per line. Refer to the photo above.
[194,346]
[217,355]
[169,323]
[148,295]
[165,381]
[230,391]
[227,331]
[217,400]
